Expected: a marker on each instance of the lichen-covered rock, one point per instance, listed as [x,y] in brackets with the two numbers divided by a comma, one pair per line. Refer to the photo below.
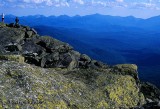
[127,69]
[123,91]
[10,38]
[29,34]
[2,24]
[17,58]
[27,86]
[53,45]
[127,66]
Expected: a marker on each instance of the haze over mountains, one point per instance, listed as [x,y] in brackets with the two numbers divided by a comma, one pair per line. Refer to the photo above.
[111,39]
[88,21]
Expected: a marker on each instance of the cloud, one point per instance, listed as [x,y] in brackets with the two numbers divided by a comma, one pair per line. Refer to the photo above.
[96,3]
[47,2]
[144,5]
[79,1]
[109,3]
[148,4]
[54,2]
[119,0]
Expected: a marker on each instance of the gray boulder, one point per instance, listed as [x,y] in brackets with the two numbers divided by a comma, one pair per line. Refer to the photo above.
[43,51]
[29,34]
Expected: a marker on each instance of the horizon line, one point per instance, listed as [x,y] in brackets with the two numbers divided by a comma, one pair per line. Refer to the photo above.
[80,15]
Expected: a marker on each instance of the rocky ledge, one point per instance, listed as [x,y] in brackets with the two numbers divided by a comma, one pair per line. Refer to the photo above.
[42,51]
[42,72]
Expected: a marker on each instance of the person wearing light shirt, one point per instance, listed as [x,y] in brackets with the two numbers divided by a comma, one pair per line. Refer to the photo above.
[2,17]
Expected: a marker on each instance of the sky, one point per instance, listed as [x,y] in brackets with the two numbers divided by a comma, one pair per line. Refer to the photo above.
[137,8]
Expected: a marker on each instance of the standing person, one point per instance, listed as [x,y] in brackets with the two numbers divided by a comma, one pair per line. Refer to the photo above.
[17,23]
[17,20]
[2,17]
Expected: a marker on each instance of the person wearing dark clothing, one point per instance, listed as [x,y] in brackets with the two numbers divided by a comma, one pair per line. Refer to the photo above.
[17,20]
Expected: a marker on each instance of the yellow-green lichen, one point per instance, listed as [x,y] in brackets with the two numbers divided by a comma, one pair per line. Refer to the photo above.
[103,105]
[2,24]
[1,107]
[123,91]
[17,106]
[61,105]
[17,58]
[129,66]
[41,88]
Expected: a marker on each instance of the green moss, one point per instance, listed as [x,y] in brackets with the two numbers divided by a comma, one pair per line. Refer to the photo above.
[17,58]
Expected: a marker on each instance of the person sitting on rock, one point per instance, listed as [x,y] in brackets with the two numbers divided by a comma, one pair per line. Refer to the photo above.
[2,17]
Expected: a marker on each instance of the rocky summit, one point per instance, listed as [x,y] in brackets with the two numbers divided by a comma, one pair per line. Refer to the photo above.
[40,72]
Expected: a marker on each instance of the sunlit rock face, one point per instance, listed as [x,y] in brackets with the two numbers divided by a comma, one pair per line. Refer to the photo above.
[25,85]
[42,72]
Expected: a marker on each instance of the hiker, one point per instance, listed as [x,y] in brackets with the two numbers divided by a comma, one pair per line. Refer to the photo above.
[17,20]
[2,17]
[17,23]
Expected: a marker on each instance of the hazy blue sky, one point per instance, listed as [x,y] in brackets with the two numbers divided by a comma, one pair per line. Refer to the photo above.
[138,8]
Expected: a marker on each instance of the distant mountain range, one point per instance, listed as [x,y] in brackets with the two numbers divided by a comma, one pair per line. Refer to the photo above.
[111,39]
[92,22]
